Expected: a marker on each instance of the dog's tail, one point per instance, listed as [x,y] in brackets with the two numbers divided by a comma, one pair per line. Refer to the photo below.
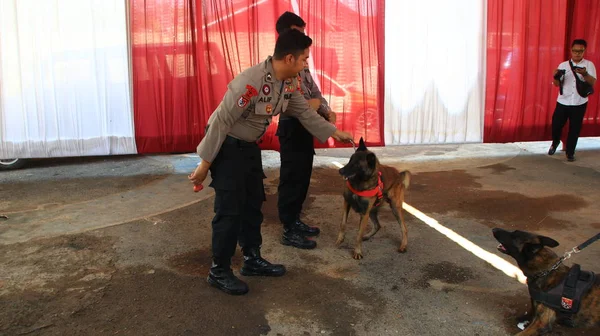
[405,178]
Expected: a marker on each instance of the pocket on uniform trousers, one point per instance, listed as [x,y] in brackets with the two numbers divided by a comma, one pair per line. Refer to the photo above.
[228,202]
[227,195]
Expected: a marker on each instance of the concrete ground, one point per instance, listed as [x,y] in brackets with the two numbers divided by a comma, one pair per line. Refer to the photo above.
[121,246]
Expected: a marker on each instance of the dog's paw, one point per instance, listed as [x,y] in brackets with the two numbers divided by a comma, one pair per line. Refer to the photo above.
[402,249]
[357,255]
[339,241]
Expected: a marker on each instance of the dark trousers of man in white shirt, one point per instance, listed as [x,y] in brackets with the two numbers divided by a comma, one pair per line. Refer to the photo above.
[574,114]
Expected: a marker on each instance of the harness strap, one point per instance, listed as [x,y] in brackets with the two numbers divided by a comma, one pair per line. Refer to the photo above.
[566,297]
[377,191]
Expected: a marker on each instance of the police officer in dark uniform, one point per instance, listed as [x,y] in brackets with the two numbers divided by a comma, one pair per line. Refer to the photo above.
[230,151]
[297,153]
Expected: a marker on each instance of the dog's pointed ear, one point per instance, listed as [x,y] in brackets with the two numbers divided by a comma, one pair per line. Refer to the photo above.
[371,160]
[361,145]
[546,241]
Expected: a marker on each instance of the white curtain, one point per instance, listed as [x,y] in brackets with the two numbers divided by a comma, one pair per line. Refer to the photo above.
[434,71]
[64,79]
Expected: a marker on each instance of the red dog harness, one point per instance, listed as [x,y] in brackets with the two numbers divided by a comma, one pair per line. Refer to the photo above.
[377,191]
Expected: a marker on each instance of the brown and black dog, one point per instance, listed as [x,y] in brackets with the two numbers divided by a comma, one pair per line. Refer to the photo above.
[536,260]
[368,184]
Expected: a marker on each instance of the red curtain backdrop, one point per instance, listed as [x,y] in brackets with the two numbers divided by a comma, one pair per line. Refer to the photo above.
[585,23]
[525,44]
[168,115]
[348,55]
[185,52]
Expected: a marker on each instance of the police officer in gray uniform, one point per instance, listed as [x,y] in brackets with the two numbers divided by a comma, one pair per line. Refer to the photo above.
[297,153]
[229,150]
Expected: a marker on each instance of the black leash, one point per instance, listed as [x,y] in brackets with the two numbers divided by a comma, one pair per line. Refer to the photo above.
[586,243]
[566,256]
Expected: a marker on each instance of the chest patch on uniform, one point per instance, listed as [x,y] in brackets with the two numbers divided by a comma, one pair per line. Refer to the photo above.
[266,89]
[269,108]
[289,88]
[299,88]
[269,77]
[245,98]
[265,99]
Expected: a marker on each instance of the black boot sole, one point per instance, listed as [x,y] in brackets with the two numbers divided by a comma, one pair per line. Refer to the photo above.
[303,247]
[225,289]
[246,272]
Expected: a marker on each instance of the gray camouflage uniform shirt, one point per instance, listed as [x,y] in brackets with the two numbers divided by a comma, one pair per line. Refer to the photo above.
[310,90]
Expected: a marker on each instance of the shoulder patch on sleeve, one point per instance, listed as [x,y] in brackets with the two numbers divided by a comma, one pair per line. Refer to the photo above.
[245,98]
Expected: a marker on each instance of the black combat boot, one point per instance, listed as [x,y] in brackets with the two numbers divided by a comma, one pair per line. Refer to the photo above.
[308,231]
[221,276]
[293,237]
[254,264]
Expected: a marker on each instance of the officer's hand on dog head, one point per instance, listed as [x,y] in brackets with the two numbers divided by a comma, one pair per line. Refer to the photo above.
[342,136]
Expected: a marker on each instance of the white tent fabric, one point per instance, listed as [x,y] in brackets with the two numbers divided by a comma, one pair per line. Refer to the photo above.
[434,71]
[64,79]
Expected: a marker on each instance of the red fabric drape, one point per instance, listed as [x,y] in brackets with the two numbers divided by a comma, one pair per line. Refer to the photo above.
[186,52]
[525,44]
[348,60]
[585,24]
[167,113]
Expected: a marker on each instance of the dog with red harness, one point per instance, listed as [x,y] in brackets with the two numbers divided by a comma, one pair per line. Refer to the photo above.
[368,184]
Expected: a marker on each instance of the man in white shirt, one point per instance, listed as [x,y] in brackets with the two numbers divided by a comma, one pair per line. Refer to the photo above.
[570,105]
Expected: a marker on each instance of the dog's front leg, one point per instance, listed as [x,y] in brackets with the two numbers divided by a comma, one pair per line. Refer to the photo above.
[542,321]
[364,220]
[342,232]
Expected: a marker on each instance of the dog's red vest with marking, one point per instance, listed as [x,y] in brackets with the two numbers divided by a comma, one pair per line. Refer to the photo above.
[377,191]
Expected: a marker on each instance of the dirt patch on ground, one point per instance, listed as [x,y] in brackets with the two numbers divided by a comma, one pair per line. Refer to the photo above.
[459,192]
[498,168]
[326,182]
[69,285]
[50,280]
[26,196]
[269,209]
[446,272]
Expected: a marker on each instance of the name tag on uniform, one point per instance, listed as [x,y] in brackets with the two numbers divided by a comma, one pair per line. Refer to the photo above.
[287,96]
[265,99]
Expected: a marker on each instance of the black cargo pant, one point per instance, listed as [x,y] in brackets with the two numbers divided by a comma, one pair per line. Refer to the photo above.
[297,154]
[574,114]
[237,177]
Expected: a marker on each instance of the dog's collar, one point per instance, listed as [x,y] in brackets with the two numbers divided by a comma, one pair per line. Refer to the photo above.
[545,273]
[377,191]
